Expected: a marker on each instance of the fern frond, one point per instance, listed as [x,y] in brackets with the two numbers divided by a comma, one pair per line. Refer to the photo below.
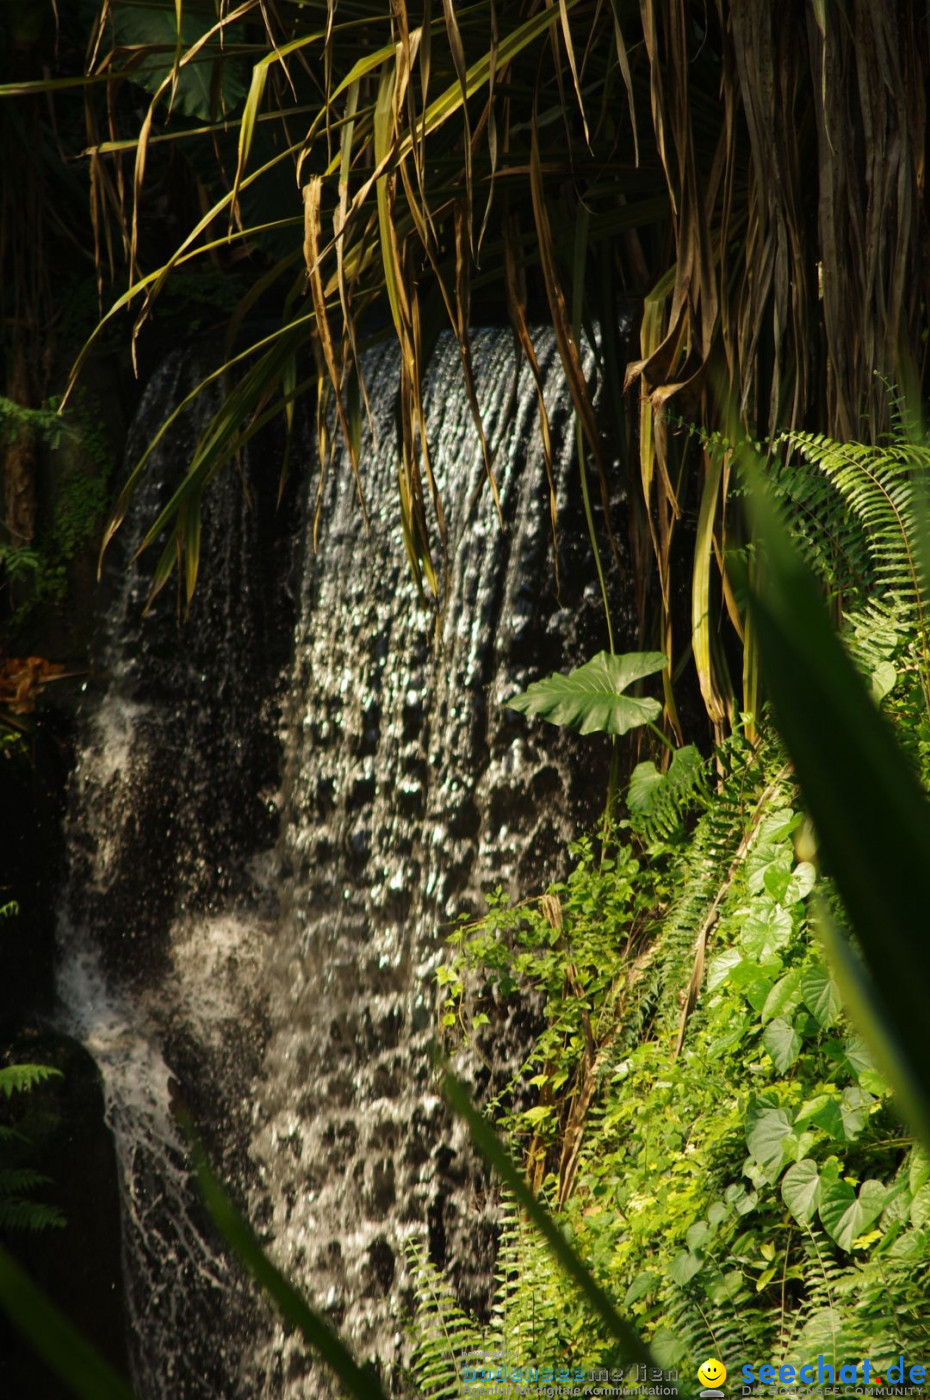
[711,860]
[443,1332]
[15,1181]
[659,802]
[16,1079]
[881,489]
[29,1215]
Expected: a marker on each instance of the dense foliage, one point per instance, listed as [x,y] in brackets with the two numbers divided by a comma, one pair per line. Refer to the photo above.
[709,1124]
[19,1181]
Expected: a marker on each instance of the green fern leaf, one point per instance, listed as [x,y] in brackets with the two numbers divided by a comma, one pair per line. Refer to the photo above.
[20,1078]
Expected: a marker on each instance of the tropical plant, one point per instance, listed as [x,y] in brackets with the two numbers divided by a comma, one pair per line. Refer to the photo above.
[693,1032]
[579,162]
[591,698]
[19,1181]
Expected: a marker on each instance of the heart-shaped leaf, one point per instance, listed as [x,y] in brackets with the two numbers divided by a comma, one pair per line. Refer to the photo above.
[845,1215]
[784,996]
[821,996]
[590,699]
[782,1042]
[683,1269]
[800,1190]
[766,1130]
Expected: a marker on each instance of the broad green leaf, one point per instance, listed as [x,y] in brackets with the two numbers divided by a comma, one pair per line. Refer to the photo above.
[590,699]
[721,966]
[698,1234]
[766,928]
[784,996]
[920,1207]
[828,1117]
[740,1199]
[646,782]
[798,1145]
[773,832]
[846,1215]
[883,680]
[862,1065]
[782,1042]
[896,1210]
[776,879]
[754,982]
[810,1111]
[918,1170]
[766,1130]
[854,1111]
[153,29]
[683,1268]
[821,996]
[648,785]
[642,1284]
[803,879]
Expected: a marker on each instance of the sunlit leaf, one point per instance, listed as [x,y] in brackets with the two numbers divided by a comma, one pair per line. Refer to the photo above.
[800,1189]
[845,1214]
[782,1042]
[591,698]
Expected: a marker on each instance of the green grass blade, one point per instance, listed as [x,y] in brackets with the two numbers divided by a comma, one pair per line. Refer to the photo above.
[56,1340]
[315,1331]
[629,1344]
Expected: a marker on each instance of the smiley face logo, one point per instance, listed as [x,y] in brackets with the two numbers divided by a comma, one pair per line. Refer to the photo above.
[713,1373]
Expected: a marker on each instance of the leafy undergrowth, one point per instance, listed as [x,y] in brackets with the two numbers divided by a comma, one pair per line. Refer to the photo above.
[698,1108]
[752,1195]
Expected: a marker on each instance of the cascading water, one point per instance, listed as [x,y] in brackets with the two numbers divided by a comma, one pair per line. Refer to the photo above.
[279,807]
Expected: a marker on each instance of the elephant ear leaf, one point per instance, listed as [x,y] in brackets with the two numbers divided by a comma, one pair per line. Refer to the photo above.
[591,698]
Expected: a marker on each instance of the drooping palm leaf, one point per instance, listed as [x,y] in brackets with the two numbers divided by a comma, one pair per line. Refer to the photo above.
[755,196]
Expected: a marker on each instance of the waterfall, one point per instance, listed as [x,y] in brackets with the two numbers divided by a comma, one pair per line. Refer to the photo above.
[278,808]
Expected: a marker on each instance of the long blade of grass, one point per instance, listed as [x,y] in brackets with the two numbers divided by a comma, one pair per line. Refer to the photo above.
[231,407]
[515,287]
[247,123]
[56,1340]
[573,66]
[561,321]
[313,193]
[316,1332]
[449,101]
[701,603]
[629,1344]
[457,49]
